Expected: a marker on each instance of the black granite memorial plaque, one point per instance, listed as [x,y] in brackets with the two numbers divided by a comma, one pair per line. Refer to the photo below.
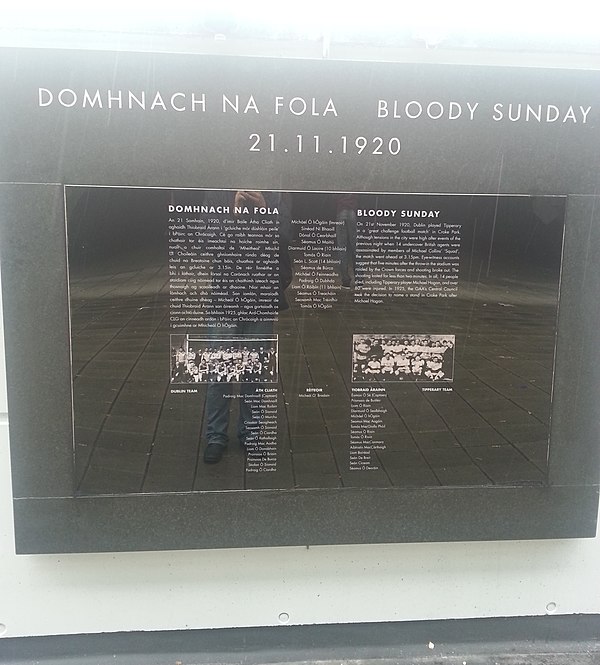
[379,296]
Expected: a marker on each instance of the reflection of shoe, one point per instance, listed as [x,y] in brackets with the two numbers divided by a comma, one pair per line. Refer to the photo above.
[213,453]
[345,284]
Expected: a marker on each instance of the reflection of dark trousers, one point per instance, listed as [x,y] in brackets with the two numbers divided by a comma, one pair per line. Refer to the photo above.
[346,237]
[218,395]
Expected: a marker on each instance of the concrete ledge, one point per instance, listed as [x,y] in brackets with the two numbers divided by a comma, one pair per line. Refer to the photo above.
[572,640]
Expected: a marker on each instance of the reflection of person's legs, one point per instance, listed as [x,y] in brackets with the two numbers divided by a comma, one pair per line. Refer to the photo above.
[250,416]
[218,402]
[249,422]
[217,413]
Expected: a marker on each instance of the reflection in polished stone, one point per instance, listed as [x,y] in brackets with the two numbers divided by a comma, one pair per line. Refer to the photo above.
[491,427]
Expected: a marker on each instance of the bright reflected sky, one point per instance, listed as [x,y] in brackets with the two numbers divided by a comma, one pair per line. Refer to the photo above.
[434,21]
[509,16]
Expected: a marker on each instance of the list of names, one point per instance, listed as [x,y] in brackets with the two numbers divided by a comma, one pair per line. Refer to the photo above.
[316,261]
[366,426]
[261,437]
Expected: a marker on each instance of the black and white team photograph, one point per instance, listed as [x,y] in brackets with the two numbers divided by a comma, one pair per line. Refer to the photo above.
[378,357]
[207,360]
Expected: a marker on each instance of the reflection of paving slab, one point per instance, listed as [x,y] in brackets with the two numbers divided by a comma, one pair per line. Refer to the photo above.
[133,435]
